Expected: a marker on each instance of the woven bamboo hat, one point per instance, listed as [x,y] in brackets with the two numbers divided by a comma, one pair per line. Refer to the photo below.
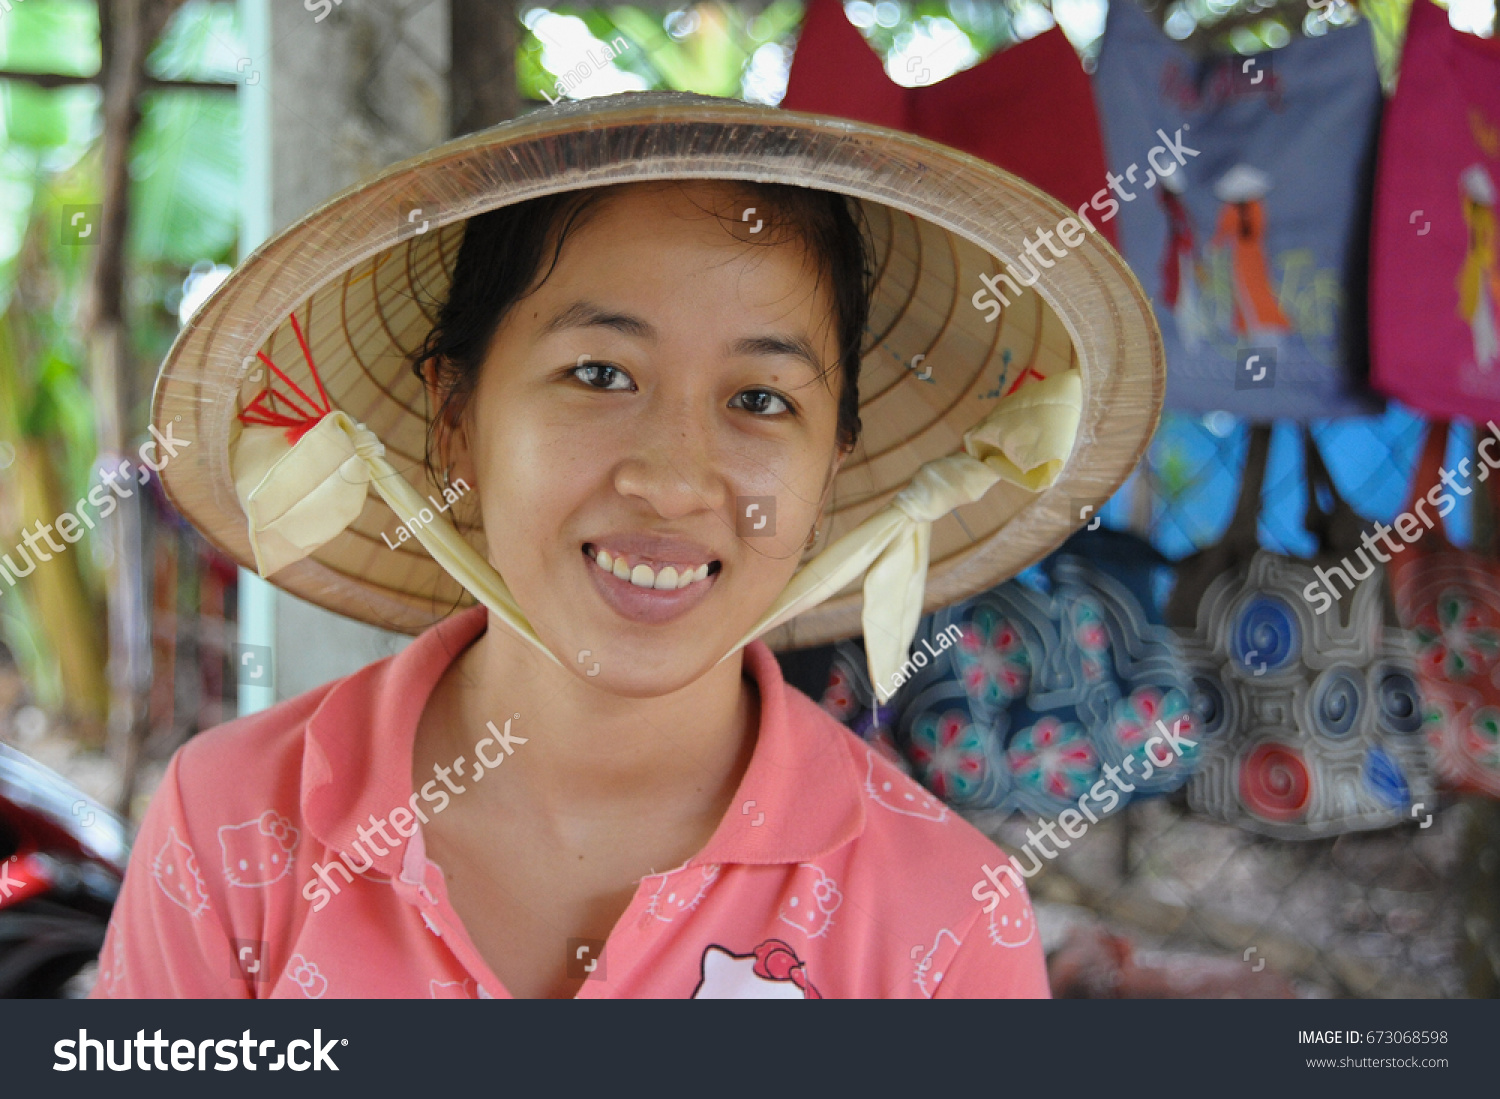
[351,288]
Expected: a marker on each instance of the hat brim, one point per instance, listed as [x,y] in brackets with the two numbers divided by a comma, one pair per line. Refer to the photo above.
[364,273]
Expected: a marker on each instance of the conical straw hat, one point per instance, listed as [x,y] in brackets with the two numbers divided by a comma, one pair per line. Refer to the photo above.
[362,275]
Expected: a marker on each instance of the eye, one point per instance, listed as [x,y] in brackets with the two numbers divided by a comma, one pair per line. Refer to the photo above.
[602,376]
[762,402]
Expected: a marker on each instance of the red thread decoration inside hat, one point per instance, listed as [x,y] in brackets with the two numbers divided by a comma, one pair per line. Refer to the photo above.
[275,408]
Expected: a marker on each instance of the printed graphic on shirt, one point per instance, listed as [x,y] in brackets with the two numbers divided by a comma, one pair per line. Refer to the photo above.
[259,851]
[305,975]
[923,976]
[454,990]
[892,790]
[176,872]
[680,891]
[771,972]
[1013,928]
[111,968]
[814,899]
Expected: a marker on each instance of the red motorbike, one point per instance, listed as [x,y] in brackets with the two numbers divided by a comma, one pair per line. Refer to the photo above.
[62,858]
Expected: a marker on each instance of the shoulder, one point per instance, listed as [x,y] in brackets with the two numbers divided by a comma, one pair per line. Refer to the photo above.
[920,877]
[249,776]
[253,760]
[908,833]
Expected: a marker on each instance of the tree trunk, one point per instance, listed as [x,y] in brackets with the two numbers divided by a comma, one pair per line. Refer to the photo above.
[482,90]
[128,29]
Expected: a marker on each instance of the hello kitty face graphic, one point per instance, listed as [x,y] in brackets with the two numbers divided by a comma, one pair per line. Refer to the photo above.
[892,790]
[111,968]
[923,976]
[680,891]
[771,972]
[1013,928]
[259,851]
[812,902]
[176,872]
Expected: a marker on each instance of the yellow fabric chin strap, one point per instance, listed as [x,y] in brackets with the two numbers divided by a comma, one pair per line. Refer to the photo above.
[299,497]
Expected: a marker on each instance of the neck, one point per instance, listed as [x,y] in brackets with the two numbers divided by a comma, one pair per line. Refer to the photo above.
[586,748]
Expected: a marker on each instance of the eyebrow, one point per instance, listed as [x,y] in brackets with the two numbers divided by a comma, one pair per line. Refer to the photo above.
[585,314]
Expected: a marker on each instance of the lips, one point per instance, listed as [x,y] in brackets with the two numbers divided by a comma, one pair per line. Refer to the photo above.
[650,580]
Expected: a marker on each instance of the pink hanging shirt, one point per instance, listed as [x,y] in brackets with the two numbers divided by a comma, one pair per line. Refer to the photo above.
[833,875]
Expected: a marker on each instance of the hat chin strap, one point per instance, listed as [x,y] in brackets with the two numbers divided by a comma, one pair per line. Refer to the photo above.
[298,496]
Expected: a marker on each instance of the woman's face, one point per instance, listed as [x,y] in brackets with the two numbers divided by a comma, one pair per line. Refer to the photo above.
[650,436]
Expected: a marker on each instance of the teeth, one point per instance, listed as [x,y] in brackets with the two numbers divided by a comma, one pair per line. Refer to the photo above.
[643,576]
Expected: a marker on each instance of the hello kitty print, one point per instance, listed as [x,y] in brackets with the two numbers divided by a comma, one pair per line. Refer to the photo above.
[890,789]
[813,900]
[175,869]
[259,851]
[772,971]
[680,891]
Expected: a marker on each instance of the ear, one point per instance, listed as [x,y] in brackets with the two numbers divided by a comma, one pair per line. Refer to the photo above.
[839,455]
[450,433]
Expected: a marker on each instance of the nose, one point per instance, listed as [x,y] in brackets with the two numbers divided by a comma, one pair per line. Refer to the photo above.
[674,465]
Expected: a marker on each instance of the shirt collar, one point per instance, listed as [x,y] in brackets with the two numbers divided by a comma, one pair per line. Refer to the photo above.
[359,739]
[801,795]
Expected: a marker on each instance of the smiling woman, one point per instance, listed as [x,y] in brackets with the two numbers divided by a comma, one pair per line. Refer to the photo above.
[655,403]
[613,425]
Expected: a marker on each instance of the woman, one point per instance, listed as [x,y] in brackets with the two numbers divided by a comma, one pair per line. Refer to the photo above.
[643,389]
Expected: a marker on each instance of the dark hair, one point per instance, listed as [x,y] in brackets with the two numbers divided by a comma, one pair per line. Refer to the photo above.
[502,253]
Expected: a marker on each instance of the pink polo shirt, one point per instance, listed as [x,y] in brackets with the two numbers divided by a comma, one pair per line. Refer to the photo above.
[833,875]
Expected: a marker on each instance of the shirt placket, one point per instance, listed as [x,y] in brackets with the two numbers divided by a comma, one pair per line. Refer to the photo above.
[621,950]
[421,885]
[429,896]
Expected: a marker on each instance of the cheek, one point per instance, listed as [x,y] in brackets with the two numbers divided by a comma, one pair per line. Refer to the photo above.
[774,502]
[531,481]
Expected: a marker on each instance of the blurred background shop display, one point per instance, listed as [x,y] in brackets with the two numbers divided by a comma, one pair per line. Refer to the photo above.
[149,144]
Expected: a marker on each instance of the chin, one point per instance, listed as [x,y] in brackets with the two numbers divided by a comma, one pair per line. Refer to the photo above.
[633,677]
[630,654]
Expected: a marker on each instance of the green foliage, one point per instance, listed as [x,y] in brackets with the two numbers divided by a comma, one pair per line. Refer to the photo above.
[702,48]
[201,43]
[50,36]
[185,202]
[185,173]
[987,26]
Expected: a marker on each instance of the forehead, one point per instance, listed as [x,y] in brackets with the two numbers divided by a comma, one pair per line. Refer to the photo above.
[639,239]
